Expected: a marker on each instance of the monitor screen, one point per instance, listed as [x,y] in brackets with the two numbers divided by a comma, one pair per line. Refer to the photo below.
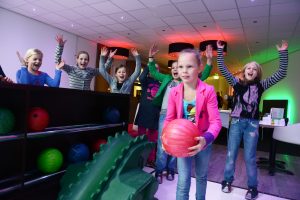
[268,104]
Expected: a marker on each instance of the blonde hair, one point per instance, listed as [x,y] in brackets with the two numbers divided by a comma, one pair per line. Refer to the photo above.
[31,52]
[193,51]
[259,71]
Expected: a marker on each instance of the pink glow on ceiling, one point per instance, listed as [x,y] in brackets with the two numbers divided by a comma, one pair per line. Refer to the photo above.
[184,37]
[118,43]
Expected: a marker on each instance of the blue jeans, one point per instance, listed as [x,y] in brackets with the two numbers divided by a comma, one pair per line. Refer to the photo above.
[184,166]
[246,129]
[163,160]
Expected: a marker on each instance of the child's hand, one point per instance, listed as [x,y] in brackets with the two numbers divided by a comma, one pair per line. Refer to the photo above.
[8,80]
[104,51]
[60,65]
[21,59]
[153,50]
[60,39]
[284,45]
[196,149]
[5,79]
[134,52]
[220,45]
[209,54]
[112,53]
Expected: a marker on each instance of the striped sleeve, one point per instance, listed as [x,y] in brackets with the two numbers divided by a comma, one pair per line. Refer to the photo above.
[68,68]
[224,70]
[280,73]
[58,53]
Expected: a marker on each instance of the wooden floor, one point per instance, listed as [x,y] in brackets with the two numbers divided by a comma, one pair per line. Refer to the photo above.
[281,185]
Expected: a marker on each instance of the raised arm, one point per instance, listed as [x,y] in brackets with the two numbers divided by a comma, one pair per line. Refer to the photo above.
[151,64]
[22,75]
[138,66]
[102,69]
[21,59]
[283,65]
[59,48]
[223,69]
[208,67]
[55,81]
[58,54]
[109,60]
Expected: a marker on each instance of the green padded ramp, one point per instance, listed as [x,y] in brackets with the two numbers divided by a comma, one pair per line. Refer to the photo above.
[114,173]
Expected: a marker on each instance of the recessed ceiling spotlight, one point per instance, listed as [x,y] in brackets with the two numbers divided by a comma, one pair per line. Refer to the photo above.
[33,9]
[252,0]
[72,25]
[122,17]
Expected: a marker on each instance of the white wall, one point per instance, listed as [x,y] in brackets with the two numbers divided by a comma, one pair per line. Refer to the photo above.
[21,33]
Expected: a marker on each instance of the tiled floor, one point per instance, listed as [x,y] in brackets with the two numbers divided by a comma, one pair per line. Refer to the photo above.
[167,191]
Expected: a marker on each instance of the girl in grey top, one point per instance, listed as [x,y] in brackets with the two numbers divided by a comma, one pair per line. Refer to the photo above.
[121,83]
[80,75]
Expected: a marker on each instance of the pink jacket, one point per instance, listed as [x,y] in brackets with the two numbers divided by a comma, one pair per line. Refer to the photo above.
[207,116]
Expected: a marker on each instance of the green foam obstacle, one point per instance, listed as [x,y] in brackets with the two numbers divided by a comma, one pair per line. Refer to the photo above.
[114,173]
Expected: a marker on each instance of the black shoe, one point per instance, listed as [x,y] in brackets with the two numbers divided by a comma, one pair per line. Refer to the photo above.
[159,177]
[251,194]
[150,164]
[170,175]
[226,187]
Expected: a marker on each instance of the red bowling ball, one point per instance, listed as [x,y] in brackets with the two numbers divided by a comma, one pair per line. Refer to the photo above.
[38,119]
[97,143]
[178,136]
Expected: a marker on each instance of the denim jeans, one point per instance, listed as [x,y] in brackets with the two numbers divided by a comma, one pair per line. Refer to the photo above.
[184,166]
[163,160]
[246,129]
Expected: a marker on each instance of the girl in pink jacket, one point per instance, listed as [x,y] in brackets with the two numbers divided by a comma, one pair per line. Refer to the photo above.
[196,101]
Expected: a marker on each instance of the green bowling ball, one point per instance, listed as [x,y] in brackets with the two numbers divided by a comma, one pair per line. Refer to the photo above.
[50,160]
[7,121]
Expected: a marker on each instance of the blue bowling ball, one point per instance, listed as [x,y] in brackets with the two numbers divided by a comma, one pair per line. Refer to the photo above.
[78,153]
[111,115]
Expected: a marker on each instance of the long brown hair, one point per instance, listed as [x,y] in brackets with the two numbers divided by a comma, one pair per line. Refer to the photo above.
[83,52]
[119,67]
